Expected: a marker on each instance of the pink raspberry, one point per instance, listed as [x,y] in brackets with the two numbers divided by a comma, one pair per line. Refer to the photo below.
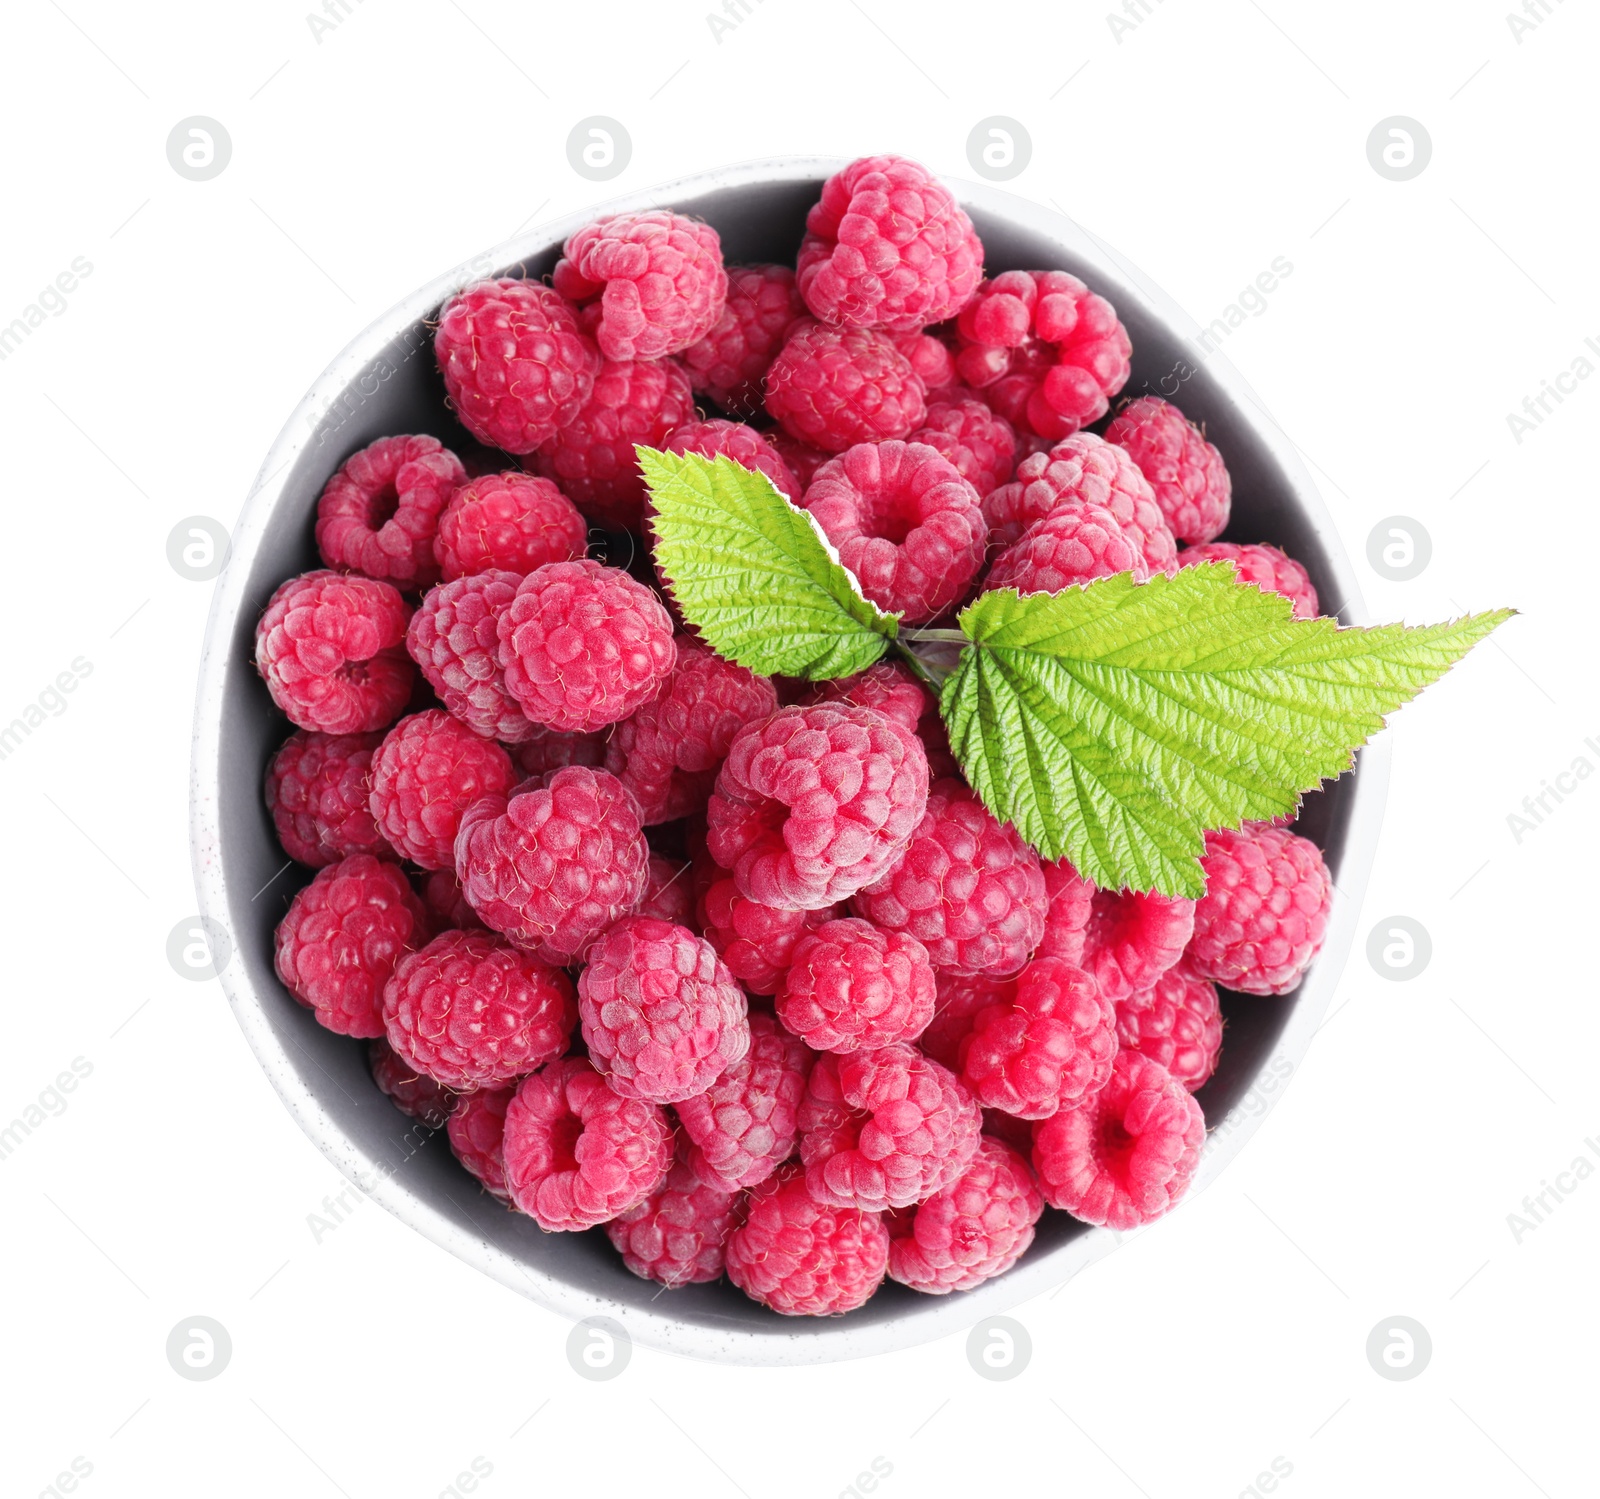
[1049,1047]
[971,1231]
[905,523]
[745,1124]
[1124,1156]
[1265,912]
[980,443]
[476,1130]
[888,246]
[884,1128]
[676,1235]
[1079,470]
[455,638]
[1188,475]
[330,649]
[667,895]
[935,365]
[584,645]
[744,445]
[754,940]
[317,788]
[415,1094]
[592,456]
[576,1153]
[447,908]
[545,750]
[969,889]
[888,686]
[1068,547]
[668,752]
[429,769]
[813,803]
[960,997]
[850,986]
[517,367]
[554,866]
[1177,1022]
[1269,569]
[341,938]
[472,1011]
[803,460]
[834,387]
[1066,923]
[1133,938]
[379,513]
[803,1257]
[1046,352]
[729,362]
[511,522]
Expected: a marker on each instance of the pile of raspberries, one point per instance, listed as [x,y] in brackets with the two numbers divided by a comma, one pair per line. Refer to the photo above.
[741,970]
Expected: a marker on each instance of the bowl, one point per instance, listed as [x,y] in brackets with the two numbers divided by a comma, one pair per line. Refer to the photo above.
[386,381]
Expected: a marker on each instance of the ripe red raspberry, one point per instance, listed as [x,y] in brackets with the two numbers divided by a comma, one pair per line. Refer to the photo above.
[745,1124]
[379,513]
[668,752]
[429,769]
[1133,938]
[969,889]
[729,362]
[576,1153]
[888,246]
[317,788]
[888,686]
[659,278]
[667,894]
[584,645]
[476,1130]
[960,997]
[416,1095]
[455,638]
[905,523]
[342,937]
[1269,569]
[744,445]
[1050,1046]
[1176,1022]
[803,459]
[555,865]
[1079,470]
[851,986]
[1068,547]
[813,803]
[592,456]
[1046,352]
[516,365]
[511,521]
[802,1257]
[935,365]
[753,939]
[1188,475]
[980,443]
[973,1230]
[1265,912]
[676,1235]
[330,649]
[1066,923]
[447,907]
[545,750]
[1124,1156]
[834,387]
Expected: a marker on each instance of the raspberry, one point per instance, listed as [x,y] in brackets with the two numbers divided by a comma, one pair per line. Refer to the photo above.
[754,940]
[888,686]
[904,522]
[455,638]
[668,752]
[973,1230]
[744,445]
[584,645]
[1176,1022]
[413,1093]
[832,387]
[1049,1047]
[851,986]
[316,791]
[1080,470]
[476,1130]
[887,246]
[1071,546]
[1046,352]
[517,367]
[1188,475]
[969,889]
[576,1153]
[813,803]
[1125,1155]
[510,522]
[803,460]
[980,444]
[378,514]
[447,907]
[1265,911]
[676,1235]
[592,456]
[1066,923]
[555,865]
[329,648]
[745,1124]
[960,997]
[661,1015]
[729,362]
[429,769]
[342,937]
[1269,569]
[802,1257]
[659,278]
[667,896]
[547,749]
[1134,938]
[933,362]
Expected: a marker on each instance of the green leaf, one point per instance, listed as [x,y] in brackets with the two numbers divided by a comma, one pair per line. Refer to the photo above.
[754,574]
[1114,724]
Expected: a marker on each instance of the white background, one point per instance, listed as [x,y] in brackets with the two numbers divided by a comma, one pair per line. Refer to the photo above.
[1212,137]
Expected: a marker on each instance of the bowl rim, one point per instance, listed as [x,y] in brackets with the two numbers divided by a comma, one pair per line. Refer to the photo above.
[789,1341]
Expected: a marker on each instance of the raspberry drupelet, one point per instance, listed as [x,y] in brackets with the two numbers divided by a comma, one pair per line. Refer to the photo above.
[379,513]
[852,987]
[429,769]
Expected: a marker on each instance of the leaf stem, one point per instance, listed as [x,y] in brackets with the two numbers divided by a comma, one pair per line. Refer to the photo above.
[940,637]
[930,673]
